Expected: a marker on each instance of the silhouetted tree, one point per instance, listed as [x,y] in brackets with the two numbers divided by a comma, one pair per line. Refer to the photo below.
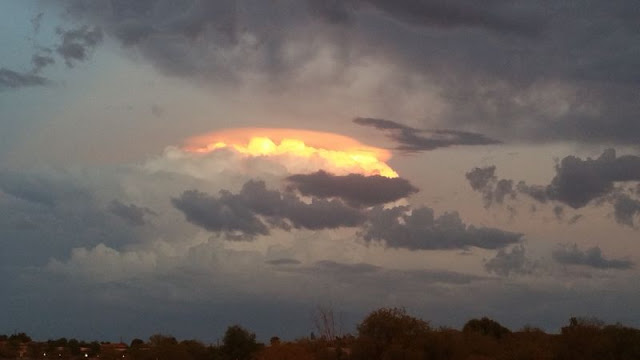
[486,326]
[391,333]
[239,344]
[136,343]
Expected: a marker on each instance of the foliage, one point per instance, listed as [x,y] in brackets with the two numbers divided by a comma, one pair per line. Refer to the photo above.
[239,344]
[384,334]
[390,333]
[486,326]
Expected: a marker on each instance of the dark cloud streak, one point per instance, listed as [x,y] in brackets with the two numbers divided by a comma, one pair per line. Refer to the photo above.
[10,79]
[592,257]
[414,140]
[132,214]
[355,189]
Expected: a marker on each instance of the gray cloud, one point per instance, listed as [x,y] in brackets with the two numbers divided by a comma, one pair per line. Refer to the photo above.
[479,178]
[47,213]
[412,140]
[10,79]
[440,276]
[78,43]
[592,257]
[41,189]
[338,267]
[459,13]
[225,214]
[625,209]
[574,219]
[493,189]
[36,22]
[365,273]
[41,60]
[255,209]
[283,261]
[558,211]
[577,183]
[506,263]
[421,230]
[355,189]
[132,214]
[505,69]
[332,11]
[243,215]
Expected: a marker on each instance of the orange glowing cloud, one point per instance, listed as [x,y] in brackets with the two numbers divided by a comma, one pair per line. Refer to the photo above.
[338,153]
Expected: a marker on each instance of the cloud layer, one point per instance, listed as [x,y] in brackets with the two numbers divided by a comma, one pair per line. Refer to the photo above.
[505,69]
[592,257]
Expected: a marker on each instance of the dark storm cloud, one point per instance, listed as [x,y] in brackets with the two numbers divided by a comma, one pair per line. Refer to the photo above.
[332,11]
[176,37]
[10,79]
[577,183]
[132,214]
[251,212]
[421,230]
[225,213]
[592,257]
[255,210]
[78,43]
[355,189]
[459,13]
[412,140]
[507,263]
[575,79]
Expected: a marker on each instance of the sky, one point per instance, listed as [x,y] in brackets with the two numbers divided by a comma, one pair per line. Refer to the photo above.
[181,167]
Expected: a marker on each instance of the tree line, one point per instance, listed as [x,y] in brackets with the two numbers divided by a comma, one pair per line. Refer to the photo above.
[384,334]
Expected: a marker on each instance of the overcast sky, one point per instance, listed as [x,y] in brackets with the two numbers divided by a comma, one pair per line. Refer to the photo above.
[512,125]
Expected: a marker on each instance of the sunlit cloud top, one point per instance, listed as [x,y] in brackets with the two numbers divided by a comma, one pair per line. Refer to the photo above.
[339,154]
